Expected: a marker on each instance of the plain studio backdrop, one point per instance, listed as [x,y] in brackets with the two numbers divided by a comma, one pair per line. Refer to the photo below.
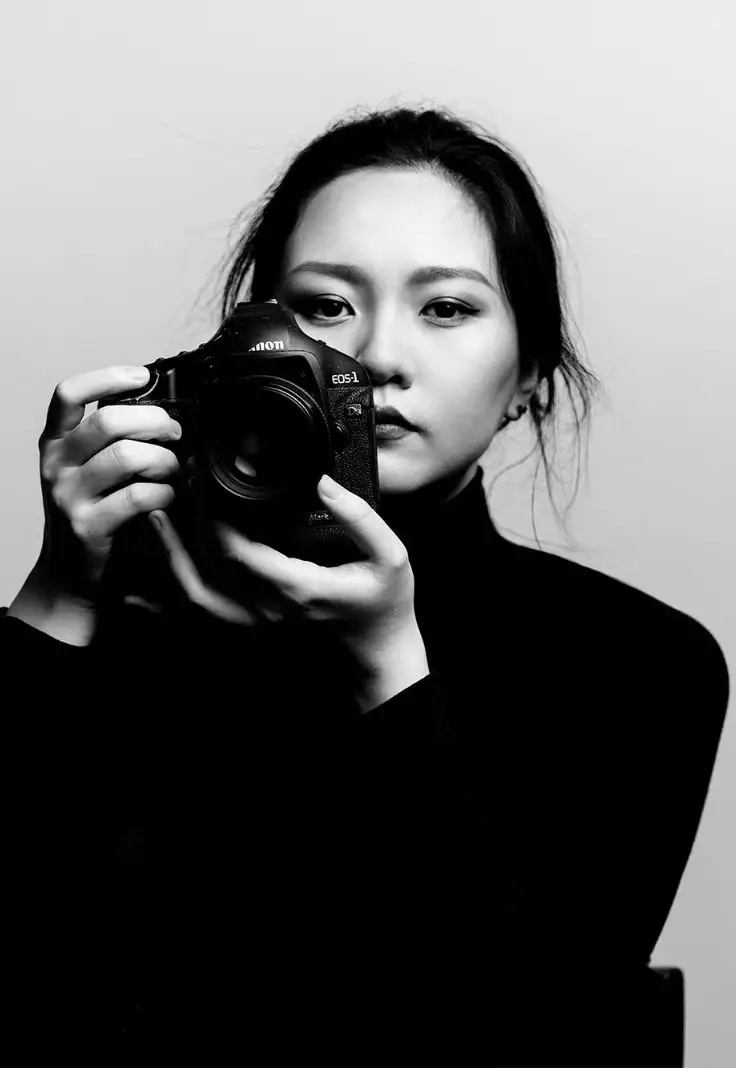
[132,135]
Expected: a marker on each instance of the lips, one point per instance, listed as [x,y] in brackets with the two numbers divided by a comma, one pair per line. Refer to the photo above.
[392,417]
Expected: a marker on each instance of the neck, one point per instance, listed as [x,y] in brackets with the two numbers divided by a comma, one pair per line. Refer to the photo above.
[408,513]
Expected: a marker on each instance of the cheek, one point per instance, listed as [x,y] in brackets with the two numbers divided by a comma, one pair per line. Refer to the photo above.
[468,399]
[477,368]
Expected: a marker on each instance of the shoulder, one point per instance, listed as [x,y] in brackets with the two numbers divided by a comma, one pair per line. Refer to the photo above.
[591,612]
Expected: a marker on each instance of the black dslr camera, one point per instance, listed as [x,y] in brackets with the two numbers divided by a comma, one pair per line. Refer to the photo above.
[265,411]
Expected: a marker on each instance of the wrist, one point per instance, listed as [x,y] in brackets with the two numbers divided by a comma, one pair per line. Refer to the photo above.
[46,606]
[391,663]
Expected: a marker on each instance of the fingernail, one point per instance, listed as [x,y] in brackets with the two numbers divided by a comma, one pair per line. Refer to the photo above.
[138,374]
[156,520]
[329,488]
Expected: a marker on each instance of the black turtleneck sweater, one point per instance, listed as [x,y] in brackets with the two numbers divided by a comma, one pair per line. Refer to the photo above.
[209,850]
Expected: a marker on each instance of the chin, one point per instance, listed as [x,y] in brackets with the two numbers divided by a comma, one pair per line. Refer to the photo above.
[396,479]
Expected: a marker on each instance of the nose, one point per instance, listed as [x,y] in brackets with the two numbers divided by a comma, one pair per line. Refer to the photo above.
[382,353]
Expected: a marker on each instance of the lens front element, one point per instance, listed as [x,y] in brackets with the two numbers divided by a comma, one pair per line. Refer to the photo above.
[270,438]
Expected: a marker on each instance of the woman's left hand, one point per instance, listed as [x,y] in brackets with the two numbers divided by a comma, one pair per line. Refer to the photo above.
[372,599]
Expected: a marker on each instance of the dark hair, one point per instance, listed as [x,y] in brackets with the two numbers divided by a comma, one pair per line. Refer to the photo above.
[502,188]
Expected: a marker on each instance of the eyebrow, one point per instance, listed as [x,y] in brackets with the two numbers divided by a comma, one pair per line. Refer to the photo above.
[421,277]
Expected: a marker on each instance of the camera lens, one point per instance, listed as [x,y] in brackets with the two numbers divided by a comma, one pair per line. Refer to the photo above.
[271,439]
[269,443]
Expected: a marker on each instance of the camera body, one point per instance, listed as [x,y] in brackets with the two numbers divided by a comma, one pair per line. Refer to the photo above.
[265,411]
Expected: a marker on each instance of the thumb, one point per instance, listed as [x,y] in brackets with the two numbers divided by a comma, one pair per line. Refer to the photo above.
[361,522]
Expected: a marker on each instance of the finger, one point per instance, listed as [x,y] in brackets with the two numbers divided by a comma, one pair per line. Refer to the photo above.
[293,588]
[66,409]
[124,460]
[137,422]
[290,576]
[363,524]
[190,580]
[100,519]
[142,602]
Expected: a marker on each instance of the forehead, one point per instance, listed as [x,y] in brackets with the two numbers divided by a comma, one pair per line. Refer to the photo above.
[391,216]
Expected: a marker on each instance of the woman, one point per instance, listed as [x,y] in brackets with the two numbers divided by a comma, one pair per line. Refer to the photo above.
[363,814]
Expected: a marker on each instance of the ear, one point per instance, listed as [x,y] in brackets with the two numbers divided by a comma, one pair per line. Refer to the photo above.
[526,387]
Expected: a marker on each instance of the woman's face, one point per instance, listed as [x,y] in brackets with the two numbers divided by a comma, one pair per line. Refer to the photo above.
[376,267]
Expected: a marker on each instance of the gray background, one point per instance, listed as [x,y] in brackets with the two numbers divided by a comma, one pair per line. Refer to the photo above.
[133,134]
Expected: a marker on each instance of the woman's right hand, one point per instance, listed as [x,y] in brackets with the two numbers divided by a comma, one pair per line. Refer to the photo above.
[93,467]
[92,471]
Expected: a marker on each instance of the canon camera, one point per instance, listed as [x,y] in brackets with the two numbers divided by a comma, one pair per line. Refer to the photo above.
[265,410]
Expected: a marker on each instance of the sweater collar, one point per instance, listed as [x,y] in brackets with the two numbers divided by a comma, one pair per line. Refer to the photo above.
[460,527]
[459,561]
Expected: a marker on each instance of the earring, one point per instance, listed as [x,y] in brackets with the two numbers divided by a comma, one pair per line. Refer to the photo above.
[521,408]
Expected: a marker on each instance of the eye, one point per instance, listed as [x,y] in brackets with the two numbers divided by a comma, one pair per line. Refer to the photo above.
[310,308]
[447,309]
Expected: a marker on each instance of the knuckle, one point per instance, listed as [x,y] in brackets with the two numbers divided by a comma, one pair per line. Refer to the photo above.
[133,497]
[62,392]
[80,522]
[397,560]
[103,420]
[196,591]
[303,597]
[100,420]
[58,496]
[198,595]
[123,452]
[48,469]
